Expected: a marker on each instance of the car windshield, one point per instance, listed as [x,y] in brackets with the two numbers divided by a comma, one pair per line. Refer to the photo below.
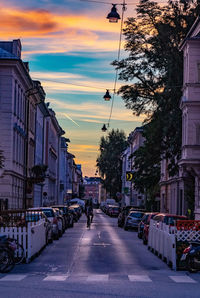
[136,214]
[33,217]
[48,212]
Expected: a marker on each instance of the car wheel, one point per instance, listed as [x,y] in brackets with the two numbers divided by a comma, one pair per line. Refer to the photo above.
[56,237]
[144,240]
[190,264]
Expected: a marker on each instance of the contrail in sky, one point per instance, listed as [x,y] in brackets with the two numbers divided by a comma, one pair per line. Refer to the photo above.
[70,119]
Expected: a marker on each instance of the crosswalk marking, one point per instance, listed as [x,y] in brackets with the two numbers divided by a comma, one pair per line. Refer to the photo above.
[97,277]
[55,278]
[182,279]
[140,278]
[13,277]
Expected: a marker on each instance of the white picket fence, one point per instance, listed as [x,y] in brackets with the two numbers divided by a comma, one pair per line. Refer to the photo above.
[32,237]
[162,241]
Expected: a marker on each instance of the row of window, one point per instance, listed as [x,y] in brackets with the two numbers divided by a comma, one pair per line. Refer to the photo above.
[19,103]
[17,193]
[18,148]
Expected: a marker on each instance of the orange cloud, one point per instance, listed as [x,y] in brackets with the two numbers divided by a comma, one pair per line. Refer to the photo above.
[26,23]
[56,33]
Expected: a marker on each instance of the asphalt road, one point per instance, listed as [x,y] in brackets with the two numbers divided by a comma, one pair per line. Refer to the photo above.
[105,261]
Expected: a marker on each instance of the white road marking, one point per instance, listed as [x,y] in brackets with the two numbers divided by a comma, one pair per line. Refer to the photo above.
[55,278]
[140,278]
[13,277]
[98,277]
[182,279]
[101,244]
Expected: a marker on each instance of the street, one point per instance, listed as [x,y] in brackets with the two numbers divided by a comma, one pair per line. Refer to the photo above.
[105,261]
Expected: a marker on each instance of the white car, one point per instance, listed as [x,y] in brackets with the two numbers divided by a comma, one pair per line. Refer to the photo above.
[52,217]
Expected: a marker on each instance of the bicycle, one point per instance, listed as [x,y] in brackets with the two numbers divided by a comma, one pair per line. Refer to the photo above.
[19,251]
[11,253]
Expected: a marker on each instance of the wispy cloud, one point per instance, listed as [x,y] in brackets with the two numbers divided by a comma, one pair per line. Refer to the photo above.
[92,111]
[66,82]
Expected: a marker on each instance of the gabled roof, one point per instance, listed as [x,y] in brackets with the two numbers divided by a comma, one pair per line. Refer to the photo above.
[190,35]
[7,55]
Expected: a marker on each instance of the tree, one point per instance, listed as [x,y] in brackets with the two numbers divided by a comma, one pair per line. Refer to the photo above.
[109,163]
[154,68]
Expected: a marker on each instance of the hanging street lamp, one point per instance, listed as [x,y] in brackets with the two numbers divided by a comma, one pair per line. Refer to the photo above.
[113,16]
[104,128]
[107,96]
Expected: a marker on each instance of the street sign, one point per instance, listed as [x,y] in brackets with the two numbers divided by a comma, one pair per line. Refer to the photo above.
[129,176]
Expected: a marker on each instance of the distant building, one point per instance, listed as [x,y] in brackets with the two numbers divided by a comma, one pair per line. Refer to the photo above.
[126,185]
[130,196]
[41,114]
[52,150]
[70,165]
[93,188]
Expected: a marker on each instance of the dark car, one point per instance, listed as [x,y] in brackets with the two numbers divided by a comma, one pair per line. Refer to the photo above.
[113,211]
[133,219]
[77,209]
[143,227]
[74,213]
[67,216]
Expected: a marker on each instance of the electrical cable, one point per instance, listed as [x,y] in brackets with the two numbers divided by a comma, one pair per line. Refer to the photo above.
[118,56]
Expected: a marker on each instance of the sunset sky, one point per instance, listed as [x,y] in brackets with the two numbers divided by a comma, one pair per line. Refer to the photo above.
[70,45]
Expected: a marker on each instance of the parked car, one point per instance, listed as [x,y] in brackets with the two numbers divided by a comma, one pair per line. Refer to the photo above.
[37,216]
[143,227]
[124,212]
[74,213]
[66,215]
[113,211]
[77,209]
[52,217]
[133,219]
[168,219]
[61,221]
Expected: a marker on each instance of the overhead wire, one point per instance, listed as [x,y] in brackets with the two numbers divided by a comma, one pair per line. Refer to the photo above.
[116,73]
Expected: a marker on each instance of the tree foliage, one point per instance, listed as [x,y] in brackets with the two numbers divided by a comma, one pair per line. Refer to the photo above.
[109,163]
[153,71]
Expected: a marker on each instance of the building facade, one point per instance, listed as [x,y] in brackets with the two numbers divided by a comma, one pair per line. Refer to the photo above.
[16,129]
[181,194]
[130,196]
[93,188]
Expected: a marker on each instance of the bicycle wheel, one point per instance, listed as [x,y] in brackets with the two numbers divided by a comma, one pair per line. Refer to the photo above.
[19,252]
[6,260]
